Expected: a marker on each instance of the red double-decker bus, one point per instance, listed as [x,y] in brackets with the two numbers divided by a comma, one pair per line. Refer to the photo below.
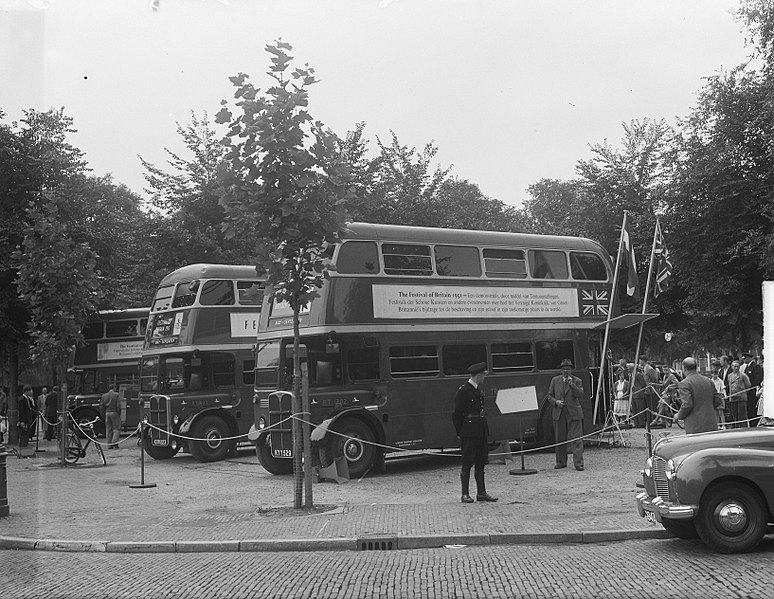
[197,368]
[110,355]
[406,311]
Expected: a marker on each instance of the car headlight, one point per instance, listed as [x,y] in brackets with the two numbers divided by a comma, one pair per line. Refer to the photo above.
[261,423]
[670,470]
[649,467]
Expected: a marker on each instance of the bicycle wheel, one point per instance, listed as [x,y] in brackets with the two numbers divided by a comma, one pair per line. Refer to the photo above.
[73,449]
[101,453]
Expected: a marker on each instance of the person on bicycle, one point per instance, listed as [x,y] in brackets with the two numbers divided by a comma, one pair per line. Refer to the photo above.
[111,412]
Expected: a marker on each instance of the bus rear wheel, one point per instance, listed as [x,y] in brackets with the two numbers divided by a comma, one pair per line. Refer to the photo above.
[269,463]
[354,440]
[161,452]
[214,446]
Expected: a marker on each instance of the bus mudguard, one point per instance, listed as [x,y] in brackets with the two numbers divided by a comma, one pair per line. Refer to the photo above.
[321,430]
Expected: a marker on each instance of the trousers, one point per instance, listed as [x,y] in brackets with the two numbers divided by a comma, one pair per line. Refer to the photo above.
[474,455]
[112,427]
[568,429]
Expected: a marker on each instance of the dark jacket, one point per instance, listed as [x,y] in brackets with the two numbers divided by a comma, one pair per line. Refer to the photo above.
[27,410]
[468,417]
[571,393]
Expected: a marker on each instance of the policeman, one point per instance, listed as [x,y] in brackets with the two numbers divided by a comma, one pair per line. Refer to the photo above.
[469,420]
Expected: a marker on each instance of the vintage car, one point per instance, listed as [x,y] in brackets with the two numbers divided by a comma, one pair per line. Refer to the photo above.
[718,486]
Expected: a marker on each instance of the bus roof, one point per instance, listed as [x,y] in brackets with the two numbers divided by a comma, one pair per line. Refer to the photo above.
[370,231]
[194,272]
[121,313]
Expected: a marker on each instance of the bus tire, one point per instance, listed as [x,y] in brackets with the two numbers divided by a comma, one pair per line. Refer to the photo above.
[353,439]
[161,452]
[215,447]
[268,462]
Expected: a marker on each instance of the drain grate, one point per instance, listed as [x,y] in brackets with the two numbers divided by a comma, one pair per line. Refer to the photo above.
[378,544]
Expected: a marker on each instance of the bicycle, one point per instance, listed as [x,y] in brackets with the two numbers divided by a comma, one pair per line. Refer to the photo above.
[75,449]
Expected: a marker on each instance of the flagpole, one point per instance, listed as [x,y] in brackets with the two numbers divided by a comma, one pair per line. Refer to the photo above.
[642,322]
[609,316]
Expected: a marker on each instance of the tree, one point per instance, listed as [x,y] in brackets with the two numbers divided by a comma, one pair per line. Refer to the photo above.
[288,183]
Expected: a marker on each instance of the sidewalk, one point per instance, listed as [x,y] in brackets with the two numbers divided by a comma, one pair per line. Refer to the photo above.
[235,505]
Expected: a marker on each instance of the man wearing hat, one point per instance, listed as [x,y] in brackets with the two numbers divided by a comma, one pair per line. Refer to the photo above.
[469,420]
[565,393]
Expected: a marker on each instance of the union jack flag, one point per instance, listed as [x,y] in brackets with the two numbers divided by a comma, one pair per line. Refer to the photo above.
[663,264]
[594,302]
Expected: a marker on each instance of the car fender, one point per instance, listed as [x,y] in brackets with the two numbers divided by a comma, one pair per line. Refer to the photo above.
[698,470]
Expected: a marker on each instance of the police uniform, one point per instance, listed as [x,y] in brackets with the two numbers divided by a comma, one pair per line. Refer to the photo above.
[469,420]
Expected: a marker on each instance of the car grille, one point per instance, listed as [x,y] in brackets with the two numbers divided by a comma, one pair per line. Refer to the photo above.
[659,477]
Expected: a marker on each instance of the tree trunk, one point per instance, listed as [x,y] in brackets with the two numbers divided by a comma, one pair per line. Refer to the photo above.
[298,443]
[13,398]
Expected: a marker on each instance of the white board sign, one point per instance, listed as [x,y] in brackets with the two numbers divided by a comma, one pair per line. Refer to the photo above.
[516,399]
[244,324]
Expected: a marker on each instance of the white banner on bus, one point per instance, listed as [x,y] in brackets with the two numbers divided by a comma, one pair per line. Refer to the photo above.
[244,324]
[119,350]
[435,301]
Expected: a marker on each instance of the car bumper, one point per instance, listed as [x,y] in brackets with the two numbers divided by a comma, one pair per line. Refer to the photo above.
[655,508]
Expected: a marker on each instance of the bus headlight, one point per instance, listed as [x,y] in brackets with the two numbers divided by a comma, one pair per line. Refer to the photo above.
[175,419]
[261,423]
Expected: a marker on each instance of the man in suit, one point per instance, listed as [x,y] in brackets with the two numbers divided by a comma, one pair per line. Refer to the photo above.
[469,420]
[725,369]
[110,405]
[699,400]
[565,394]
[754,372]
[651,377]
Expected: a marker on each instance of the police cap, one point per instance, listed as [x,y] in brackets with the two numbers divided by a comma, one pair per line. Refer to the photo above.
[477,367]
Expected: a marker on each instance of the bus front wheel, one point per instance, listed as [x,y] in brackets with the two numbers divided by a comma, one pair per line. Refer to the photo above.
[157,452]
[354,440]
[269,463]
[213,445]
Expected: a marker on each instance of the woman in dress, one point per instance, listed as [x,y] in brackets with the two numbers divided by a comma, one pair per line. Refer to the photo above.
[621,391]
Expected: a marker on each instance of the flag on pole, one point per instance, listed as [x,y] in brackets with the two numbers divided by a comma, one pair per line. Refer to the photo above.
[663,264]
[632,282]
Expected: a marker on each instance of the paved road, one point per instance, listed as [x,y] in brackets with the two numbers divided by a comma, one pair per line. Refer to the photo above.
[630,569]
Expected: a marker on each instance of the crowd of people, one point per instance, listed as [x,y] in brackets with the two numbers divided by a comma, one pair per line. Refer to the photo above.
[660,393]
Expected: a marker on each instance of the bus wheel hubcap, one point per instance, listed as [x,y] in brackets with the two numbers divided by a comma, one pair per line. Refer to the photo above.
[213,439]
[353,449]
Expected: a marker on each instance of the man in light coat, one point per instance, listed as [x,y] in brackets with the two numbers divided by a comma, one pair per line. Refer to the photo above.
[699,400]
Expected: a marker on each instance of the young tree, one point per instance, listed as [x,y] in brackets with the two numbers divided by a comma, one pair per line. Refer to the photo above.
[287,184]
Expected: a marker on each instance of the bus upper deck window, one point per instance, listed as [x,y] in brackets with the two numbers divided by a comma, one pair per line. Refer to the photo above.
[185,294]
[93,330]
[358,258]
[217,293]
[545,264]
[404,259]
[163,298]
[250,293]
[121,328]
[505,264]
[587,266]
[457,261]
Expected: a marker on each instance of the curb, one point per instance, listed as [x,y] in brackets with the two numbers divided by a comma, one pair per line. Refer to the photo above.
[378,542]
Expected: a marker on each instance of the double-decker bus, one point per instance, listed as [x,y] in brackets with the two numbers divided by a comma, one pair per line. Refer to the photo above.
[405,313]
[110,354]
[197,367]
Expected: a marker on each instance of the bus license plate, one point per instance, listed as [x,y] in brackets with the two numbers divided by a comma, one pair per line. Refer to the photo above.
[650,516]
[282,453]
[160,442]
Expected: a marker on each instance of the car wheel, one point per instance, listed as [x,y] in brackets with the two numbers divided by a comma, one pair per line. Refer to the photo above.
[215,445]
[732,518]
[353,439]
[269,463]
[682,529]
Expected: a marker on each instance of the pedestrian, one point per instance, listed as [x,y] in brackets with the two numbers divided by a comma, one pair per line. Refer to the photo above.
[754,372]
[738,386]
[651,377]
[699,400]
[667,400]
[110,405]
[623,366]
[721,388]
[27,416]
[41,403]
[469,418]
[637,392]
[565,393]
[621,403]
[724,369]
[52,403]
[3,414]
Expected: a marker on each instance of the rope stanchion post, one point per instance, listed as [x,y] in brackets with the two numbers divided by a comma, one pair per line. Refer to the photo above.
[143,484]
[522,470]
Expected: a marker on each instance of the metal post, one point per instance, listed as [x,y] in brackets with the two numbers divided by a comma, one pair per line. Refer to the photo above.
[4,508]
[143,484]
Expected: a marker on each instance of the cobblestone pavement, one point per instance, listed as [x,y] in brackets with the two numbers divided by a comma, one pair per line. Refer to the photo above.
[237,500]
[666,569]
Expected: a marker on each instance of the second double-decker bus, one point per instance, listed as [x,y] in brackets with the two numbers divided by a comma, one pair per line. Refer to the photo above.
[197,368]
[110,355]
[405,313]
